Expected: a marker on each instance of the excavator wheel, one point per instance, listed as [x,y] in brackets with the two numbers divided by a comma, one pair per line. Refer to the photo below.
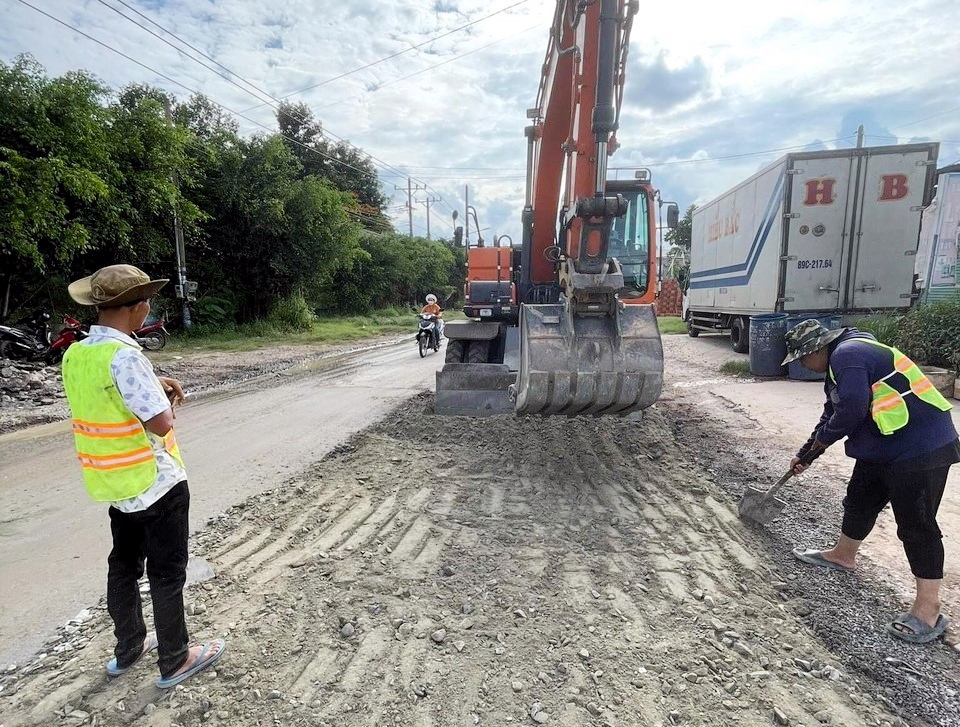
[478,351]
[454,352]
[588,364]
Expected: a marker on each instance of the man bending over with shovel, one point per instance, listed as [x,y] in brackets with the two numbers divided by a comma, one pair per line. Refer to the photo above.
[899,431]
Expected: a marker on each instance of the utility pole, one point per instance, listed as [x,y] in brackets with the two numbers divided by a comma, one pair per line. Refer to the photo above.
[411,188]
[178,240]
[860,136]
[466,215]
[428,202]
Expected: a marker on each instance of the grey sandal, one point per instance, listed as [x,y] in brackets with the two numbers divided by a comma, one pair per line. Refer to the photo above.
[908,627]
[815,557]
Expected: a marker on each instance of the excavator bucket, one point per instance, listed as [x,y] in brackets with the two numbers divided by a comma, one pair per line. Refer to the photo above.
[588,365]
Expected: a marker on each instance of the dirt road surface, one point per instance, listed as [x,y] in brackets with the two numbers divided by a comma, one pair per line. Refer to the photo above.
[568,572]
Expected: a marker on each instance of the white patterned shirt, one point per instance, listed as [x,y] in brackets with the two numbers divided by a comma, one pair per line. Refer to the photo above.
[143,394]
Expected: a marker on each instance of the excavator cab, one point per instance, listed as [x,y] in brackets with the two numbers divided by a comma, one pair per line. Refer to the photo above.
[630,244]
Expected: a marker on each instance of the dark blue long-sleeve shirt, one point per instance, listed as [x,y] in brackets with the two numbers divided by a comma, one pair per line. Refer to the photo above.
[856,365]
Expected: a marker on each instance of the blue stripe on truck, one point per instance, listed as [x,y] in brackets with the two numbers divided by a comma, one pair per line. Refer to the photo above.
[759,240]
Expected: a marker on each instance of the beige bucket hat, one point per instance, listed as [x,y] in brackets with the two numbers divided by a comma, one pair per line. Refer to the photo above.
[113,286]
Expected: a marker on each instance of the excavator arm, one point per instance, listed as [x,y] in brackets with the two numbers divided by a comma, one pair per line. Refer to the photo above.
[582,350]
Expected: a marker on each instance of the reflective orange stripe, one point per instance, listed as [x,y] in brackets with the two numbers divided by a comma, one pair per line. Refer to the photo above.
[106,431]
[902,364]
[106,425]
[889,402]
[101,462]
[921,386]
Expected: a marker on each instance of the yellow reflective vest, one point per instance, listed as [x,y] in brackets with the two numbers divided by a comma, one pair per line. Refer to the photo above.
[112,445]
[888,406]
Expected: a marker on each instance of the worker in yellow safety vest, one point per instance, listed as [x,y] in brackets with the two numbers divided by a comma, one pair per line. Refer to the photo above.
[123,430]
[899,430]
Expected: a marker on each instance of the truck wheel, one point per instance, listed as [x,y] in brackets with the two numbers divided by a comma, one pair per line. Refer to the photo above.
[691,331]
[477,353]
[739,334]
[454,352]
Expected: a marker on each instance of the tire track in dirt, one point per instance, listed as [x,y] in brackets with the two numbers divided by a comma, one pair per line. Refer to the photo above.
[560,564]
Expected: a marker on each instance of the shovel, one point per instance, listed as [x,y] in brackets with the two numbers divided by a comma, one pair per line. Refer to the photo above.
[763,506]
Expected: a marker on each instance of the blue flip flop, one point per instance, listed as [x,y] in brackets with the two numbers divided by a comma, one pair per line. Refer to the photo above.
[920,632]
[149,644]
[815,557]
[199,664]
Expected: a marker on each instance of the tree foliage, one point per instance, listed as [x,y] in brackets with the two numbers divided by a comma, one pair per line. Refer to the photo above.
[682,234]
[678,256]
[274,222]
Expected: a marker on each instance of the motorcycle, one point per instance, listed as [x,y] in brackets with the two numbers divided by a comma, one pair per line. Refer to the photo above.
[153,337]
[71,332]
[428,334]
[28,339]
[31,339]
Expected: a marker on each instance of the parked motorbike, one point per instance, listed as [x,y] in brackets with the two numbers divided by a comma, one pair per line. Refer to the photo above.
[31,339]
[27,340]
[428,333]
[154,336]
[71,332]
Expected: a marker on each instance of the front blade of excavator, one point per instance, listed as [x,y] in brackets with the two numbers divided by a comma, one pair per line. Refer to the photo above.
[588,365]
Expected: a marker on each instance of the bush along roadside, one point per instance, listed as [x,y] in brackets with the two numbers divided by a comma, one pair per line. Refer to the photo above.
[929,334]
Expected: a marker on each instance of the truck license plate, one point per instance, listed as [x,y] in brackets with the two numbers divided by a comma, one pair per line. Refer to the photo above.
[484,312]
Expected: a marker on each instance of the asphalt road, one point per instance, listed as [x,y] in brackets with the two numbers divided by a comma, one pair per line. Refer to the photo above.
[238,442]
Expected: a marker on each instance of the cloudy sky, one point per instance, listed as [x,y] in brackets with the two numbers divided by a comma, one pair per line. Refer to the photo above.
[715,91]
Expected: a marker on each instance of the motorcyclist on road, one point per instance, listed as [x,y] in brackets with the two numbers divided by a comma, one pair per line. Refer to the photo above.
[432,308]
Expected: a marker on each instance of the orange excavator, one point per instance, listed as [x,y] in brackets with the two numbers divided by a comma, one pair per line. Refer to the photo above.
[564,324]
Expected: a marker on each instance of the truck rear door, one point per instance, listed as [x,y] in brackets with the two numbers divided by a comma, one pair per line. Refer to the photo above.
[820,194]
[890,202]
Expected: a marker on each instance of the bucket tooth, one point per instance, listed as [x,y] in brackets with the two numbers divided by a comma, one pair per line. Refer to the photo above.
[588,365]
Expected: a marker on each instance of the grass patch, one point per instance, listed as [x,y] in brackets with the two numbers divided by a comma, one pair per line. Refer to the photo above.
[326,329]
[671,325]
[735,368]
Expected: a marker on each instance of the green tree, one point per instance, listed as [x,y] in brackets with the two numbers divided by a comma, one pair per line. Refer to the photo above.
[274,234]
[349,169]
[394,270]
[55,164]
[678,256]
[682,234]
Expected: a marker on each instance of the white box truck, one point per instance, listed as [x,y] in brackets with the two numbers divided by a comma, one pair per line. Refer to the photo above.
[826,232]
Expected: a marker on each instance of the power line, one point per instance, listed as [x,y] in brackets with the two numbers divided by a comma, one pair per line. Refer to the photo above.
[436,65]
[228,70]
[191,90]
[180,50]
[927,118]
[324,132]
[399,53]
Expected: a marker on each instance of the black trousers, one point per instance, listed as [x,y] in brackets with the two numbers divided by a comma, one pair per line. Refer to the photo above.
[914,497]
[157,535]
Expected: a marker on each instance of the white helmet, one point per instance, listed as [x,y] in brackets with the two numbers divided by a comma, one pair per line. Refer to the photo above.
[431,298]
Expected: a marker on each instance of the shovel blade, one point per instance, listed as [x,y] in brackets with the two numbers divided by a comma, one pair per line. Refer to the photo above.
[756,505]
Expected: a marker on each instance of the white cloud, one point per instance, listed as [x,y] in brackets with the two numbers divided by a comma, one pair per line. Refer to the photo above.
[706,81]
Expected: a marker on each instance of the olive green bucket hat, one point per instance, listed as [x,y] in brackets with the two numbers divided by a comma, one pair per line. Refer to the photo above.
[809,337]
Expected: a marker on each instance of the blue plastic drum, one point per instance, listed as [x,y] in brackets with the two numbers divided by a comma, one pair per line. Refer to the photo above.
[767,345]
[801,373]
